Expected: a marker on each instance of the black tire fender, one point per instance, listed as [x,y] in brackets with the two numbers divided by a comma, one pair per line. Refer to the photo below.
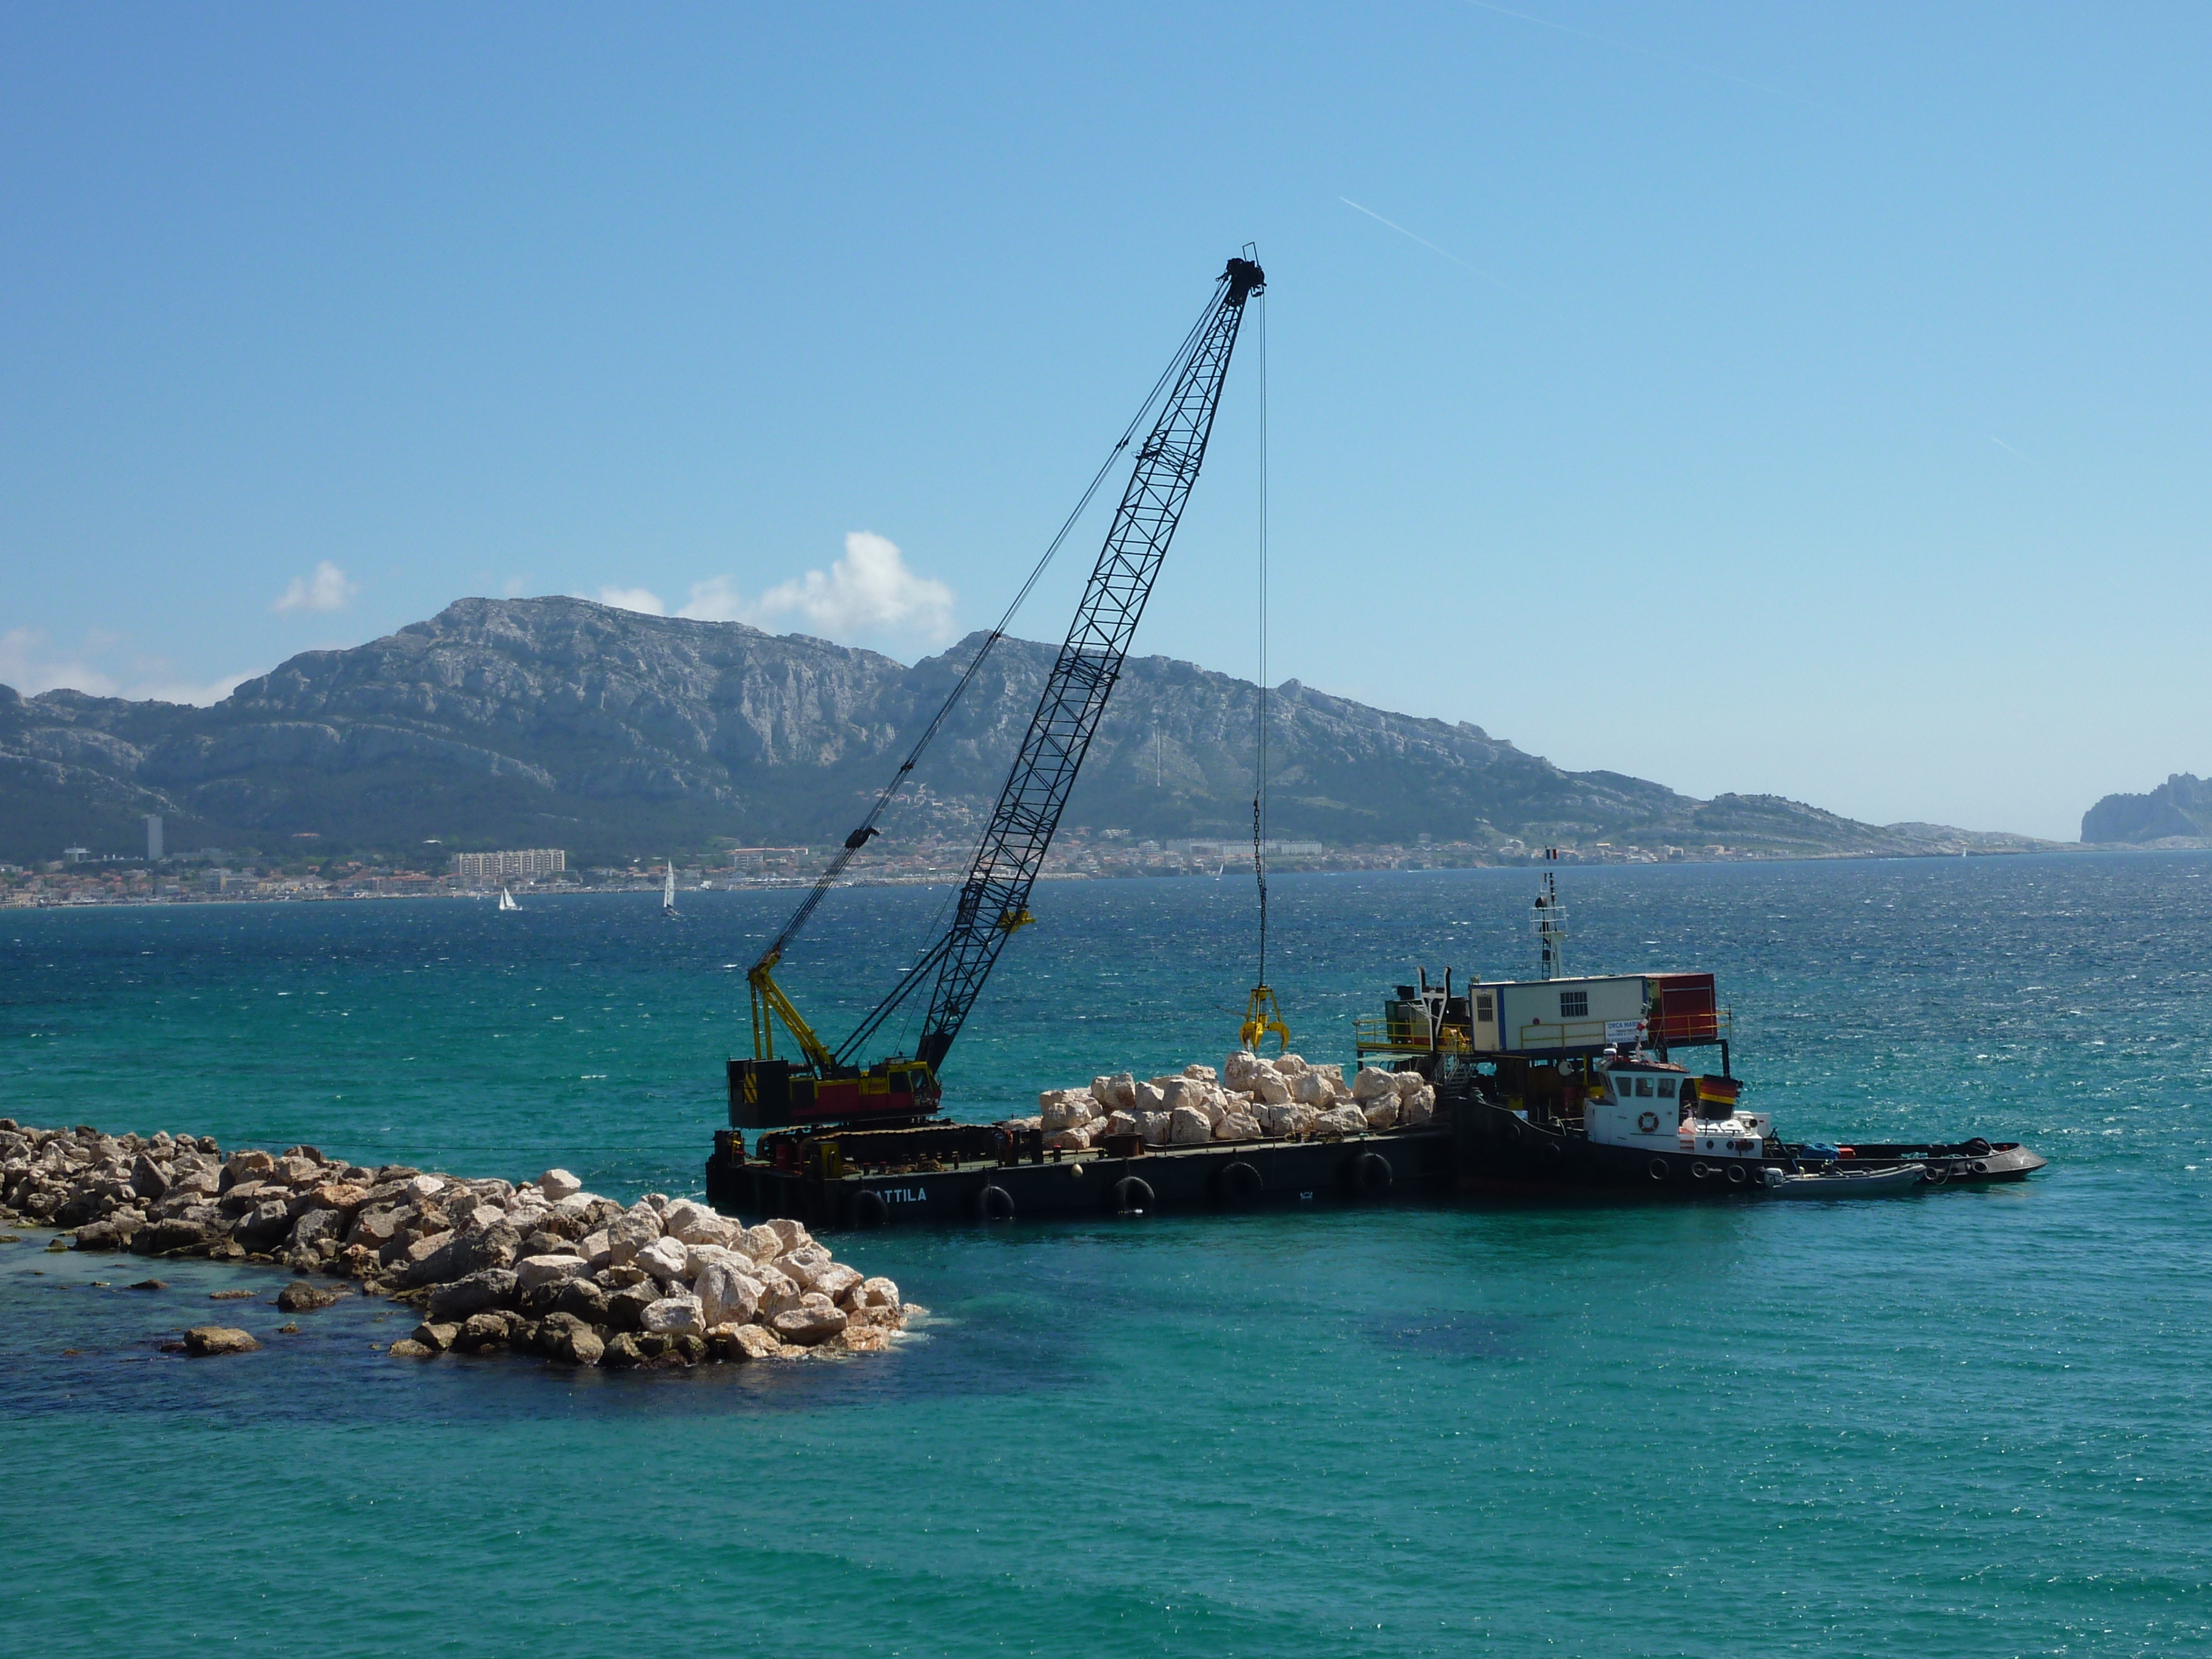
[1132,1195]
[1240,1183]
[1736,1177]
[1700,1170]
[995,1203]
[869,1208]
[1369,1174]
[1658,1169]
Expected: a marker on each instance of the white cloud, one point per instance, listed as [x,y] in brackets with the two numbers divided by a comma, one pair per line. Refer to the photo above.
[25,665]
[328,589]
[868,592]
[717,600]
[634,598]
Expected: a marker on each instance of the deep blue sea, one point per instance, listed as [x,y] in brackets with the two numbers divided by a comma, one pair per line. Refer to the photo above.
[1967,1423]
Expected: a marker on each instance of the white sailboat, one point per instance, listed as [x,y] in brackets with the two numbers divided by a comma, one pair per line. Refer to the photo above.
[668,892]
[507,900]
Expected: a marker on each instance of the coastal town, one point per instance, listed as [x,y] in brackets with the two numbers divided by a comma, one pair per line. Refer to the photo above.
[78,876]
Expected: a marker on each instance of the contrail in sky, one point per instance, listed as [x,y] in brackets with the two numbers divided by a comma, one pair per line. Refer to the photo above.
[2007,447]
[1432,247]
[1627,46]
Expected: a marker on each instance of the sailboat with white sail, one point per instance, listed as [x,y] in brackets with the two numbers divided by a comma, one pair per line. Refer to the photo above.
[507,900]
[668,893]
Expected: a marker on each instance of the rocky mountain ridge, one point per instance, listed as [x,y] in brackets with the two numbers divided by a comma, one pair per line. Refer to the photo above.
[2179,810]
[561,722]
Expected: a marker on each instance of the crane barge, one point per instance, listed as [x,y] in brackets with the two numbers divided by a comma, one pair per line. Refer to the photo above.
[821,1106]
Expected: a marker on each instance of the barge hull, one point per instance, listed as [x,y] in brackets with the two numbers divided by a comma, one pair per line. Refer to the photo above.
[1222,1175]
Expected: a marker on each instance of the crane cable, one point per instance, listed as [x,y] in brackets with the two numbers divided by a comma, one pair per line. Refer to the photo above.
[1262,1012]
[1260,784]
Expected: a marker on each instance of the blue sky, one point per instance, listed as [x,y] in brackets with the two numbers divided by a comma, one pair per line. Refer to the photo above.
[1806,399]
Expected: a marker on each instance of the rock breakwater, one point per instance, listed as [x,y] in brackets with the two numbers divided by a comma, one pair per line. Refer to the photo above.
[537,1266]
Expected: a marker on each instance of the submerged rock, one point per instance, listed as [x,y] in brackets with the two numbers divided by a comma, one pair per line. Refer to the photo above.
[299,1297]
[206,1341]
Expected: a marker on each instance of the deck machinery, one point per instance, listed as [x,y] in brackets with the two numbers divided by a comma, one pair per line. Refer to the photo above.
[890,1105]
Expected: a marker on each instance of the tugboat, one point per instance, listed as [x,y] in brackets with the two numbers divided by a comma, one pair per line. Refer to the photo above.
[1574,1082]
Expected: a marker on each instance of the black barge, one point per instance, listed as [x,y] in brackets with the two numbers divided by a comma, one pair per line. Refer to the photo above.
[970,1172]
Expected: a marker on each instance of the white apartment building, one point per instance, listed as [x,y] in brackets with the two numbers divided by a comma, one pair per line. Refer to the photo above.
[509,867]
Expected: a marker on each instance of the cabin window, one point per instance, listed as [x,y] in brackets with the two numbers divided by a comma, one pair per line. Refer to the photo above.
[1574,1004]
[1666,1088]
[1643,1085]
[1483,1009]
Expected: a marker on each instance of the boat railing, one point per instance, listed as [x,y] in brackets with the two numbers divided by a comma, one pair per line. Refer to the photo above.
[1379,1033]
[1711,1025]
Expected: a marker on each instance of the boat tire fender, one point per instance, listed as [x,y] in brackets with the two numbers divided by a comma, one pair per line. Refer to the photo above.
[1736,1174]
[1132,1195]
[870,1209]
[1242,1184]
[1700,1170]
[1658,1169]
[995,1203]
[1370,1174]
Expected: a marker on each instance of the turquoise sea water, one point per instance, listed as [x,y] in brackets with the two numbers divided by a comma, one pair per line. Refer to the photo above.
[1973,1423]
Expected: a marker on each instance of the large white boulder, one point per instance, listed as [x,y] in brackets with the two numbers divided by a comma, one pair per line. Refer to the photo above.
[1374,1084]
[1291,1064]
[804,1263]
[763,1243]
[1153,1127]
[878,1295]
[794,1236]
[664,1259]
[696,1223]
[557,1184]
[1381,1113]
[727,1295]
[1292,1120]
[675,1315]
[1417,1107]
[838,1282]
[1116,1093]
[1202,1074]
[778,1290]
[697,1258]
[1237,1070]
[535,1270]
[1188,1126]
[1066,1108]
[1313,1088]
[814,1319]
[1408,1083]
[630,1232]
[595,1249]
[1269,1089]
[1151,1097]
[1122,1123]
[1068,1140]
[1343,1119]
[1237,1125]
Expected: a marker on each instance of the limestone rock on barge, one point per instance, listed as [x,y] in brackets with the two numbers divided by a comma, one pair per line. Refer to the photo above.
[539,1266]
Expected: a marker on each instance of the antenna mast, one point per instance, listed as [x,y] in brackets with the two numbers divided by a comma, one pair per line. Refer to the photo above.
[1551,923]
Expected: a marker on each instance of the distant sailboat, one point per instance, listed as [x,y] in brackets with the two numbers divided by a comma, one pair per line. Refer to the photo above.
[507,900]
[668,892]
